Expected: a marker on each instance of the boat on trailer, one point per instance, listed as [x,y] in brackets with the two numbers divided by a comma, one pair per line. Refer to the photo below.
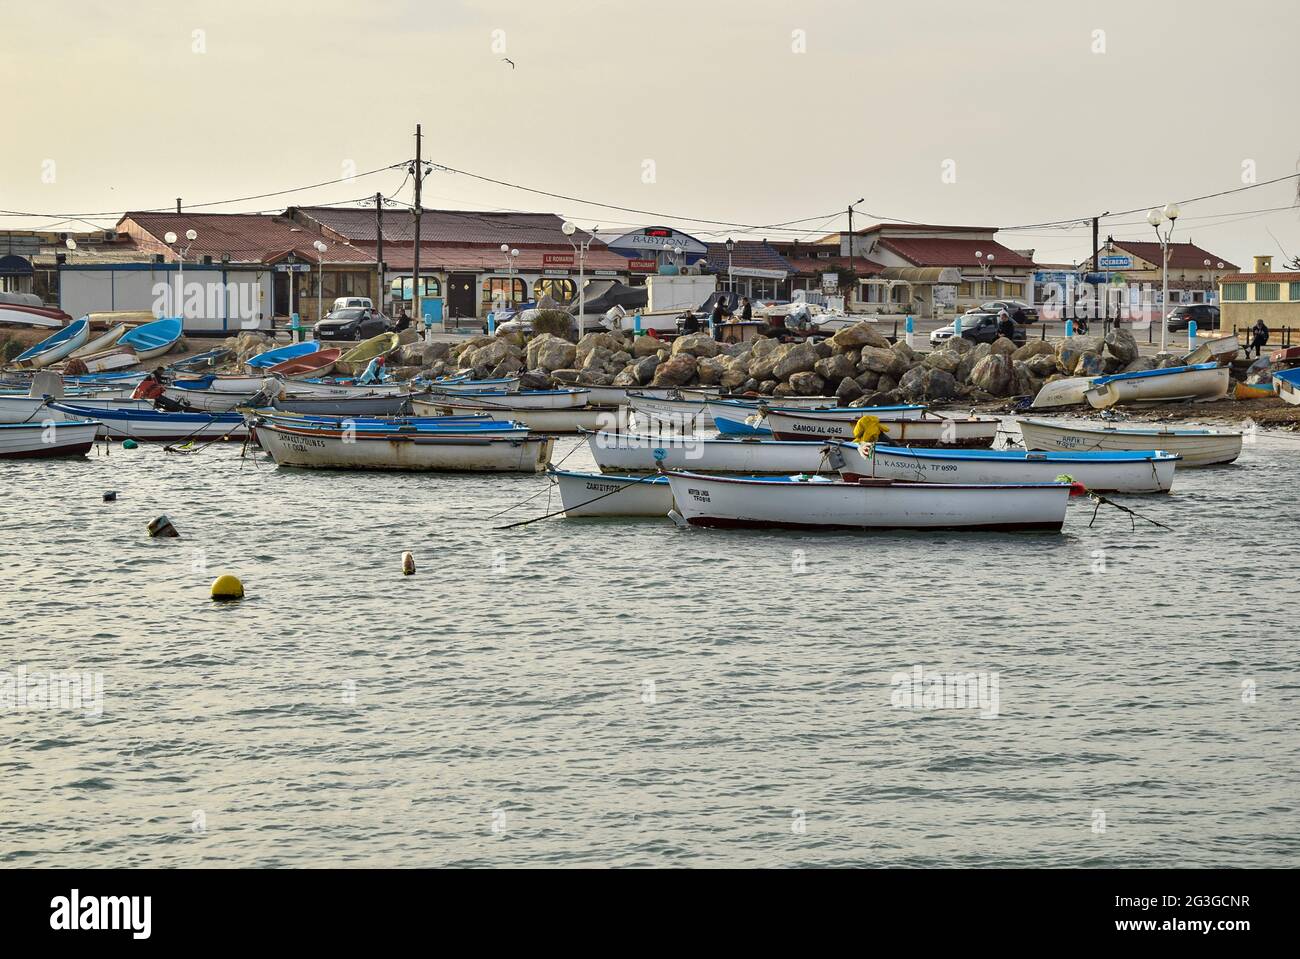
[881,504]
[1203,382]
[1196,447]
[324,448]
[1138,471]
[48,439]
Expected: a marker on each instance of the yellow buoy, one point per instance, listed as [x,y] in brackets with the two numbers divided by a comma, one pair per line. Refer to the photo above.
[408,564]
[227,587]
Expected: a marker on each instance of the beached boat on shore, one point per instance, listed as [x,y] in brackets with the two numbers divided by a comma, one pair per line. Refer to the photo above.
[1196,447]
[141,424]
[1286,383]
[816,503]
[295,389]
[324,448]
[505,384]
[639,453]
[1060,393]
[1203,382]
[31,314]
[101,343]
[1146,471]
[355,360]
[264,361]
[152,339]
[317,363]
[48,439]
[1220,349]
[928,430]
[56,347]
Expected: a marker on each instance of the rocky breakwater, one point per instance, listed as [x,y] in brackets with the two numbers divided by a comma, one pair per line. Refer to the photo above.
[857,366]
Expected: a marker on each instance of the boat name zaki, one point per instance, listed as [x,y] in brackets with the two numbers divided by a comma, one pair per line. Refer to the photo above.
[931,690]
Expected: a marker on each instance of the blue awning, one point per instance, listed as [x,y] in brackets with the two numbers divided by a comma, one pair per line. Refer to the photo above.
[14,265]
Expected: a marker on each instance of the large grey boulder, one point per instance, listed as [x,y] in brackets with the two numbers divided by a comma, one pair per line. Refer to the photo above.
[835,368]
[697,344]
[1121,345]
[858,335]
[677,371]
[550,353]
[798,358]
[994,375]
[806,384]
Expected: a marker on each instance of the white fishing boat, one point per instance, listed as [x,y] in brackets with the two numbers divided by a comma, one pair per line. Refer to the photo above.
[622,395]
[503,384]
[295,389]
[223,383]
[17,408]
[46,439]
[114,358]
[928,430]
[1144,471]
[310,447]
[1220,349]
[217,402]
[596,494]
[55,347]
[583,418]
[1061,393]
[145,424]
[818,503]
[100,343]
[690,412]
[1286,384]
[1196,447]
[531,399]
[635,453]
[1204,382]
[31,313]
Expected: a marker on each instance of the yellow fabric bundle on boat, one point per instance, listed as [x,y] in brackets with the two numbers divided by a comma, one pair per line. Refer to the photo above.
[868,429]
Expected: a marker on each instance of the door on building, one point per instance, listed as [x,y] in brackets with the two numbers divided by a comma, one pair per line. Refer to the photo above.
[280,293]
[462,295]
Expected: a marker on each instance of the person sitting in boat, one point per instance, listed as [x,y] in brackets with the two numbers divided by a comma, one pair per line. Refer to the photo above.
[150,388]
[1258,338]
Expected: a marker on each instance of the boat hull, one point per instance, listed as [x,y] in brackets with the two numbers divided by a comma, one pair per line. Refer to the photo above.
[1196,447]
[1131,472]
[634,453]
[321,449]
[1060,393]
[46,440]
[970,432]
[593,494]
[158,426]
[500,400]
[211,401]
[13,314]
[583,419]
[728,502]
[1160,386]
[99,343]
[386,404]
[56,347]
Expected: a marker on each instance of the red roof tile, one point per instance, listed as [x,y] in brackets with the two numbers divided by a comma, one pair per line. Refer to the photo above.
[747,255]
[244,237]
[1182,256]
[928,251]
[441,226]
[815,266]
[1261,278]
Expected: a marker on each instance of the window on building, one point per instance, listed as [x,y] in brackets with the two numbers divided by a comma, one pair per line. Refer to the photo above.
[1234,292]
[1267,292]
[1013,291]
[496,289]
[1294,294]
[559,289]
[965,290]
[400,288]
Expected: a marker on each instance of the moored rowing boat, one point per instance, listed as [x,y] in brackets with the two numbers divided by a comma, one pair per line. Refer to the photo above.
[633,453]
[597,494]
[140,424]
[719,501]
[1196,447]
[930,430]
[47,439]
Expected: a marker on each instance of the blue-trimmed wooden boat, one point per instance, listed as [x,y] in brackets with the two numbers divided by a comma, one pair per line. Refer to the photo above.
[281,353]
[137,424]
[1204,381]
[153,339]
[56,347]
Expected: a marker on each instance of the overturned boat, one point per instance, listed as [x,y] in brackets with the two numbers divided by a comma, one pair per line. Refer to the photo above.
[1203,382]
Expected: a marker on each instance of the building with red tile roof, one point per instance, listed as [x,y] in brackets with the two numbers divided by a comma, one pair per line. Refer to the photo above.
[1191,280]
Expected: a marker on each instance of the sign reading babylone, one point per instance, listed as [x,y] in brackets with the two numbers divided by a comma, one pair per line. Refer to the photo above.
[658,239]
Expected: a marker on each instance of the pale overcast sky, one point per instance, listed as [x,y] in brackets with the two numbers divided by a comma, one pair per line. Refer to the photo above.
[753,111]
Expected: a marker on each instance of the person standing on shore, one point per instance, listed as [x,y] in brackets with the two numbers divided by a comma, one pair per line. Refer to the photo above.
[1258,338]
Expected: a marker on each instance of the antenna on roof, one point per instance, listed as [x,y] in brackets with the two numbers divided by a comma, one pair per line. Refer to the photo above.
[178,204]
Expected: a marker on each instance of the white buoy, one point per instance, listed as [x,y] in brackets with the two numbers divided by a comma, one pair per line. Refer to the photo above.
[408,563]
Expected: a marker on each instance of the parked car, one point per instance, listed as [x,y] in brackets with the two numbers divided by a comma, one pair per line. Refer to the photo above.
[1019,311]
[352,323]
[347,302]
[977,327]
[1206,317]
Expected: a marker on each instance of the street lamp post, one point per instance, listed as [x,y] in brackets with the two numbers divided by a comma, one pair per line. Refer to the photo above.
[320,276]
[580,248]
[170,239]
[510,271]
[1157,218]
[731,280]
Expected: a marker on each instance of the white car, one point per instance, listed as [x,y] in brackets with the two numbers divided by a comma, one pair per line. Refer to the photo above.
[353,302]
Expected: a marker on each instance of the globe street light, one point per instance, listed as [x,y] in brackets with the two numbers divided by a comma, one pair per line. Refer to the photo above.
[1158,218]
[320,274]
[170,239]
[580,248]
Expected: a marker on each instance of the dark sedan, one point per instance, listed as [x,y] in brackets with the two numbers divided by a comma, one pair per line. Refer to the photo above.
[1206,317]
[352,323]
[983,328]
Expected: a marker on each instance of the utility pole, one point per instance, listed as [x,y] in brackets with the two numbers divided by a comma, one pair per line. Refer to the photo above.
[178,204]
[379,247]
[853,266]
[1096,268]
[415,270]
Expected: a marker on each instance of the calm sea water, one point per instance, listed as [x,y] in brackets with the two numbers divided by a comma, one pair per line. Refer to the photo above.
[628,693]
